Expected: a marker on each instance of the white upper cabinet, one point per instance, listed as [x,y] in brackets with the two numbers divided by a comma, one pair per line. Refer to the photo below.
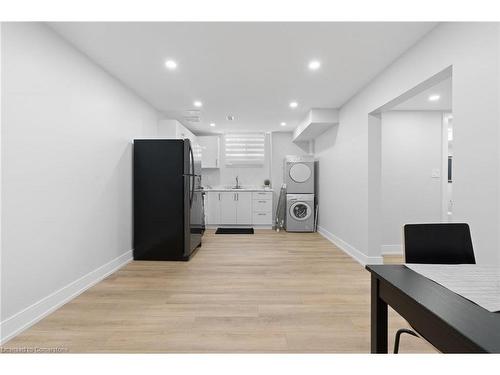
[184,133]
[210,150]
[173,129]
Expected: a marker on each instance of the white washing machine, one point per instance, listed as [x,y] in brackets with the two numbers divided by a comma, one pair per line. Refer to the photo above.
[299,213]
[299,174]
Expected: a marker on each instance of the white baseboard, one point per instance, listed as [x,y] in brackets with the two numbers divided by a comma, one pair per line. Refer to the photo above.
[348,249]
[391,250]
[24,319]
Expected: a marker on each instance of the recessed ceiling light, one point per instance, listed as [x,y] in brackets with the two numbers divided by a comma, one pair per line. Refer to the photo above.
[171,64]
[212,124]
[434,98]
[283,124]
[314,65]
[197,103]
[293,104]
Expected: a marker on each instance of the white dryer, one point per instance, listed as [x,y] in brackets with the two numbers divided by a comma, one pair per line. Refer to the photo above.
[299,174]
[299,213]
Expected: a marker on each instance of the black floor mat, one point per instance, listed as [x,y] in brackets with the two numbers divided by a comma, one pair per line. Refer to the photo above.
[234,231]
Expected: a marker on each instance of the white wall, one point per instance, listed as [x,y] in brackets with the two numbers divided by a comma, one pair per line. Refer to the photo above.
[67,128]
[472,49]
[411,150]
[167,128]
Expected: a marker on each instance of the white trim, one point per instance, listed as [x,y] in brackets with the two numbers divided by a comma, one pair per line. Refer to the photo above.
[348,249]
[24,319]
[391,249]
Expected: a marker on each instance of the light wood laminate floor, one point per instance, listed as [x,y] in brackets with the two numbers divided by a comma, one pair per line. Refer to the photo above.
[268,292]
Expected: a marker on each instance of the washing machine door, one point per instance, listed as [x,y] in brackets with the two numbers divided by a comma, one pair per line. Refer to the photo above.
[300,172]
[300,211]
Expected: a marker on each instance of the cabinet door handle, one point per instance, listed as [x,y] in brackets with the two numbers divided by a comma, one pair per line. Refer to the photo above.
[219,196]
[262,201]
[261,214]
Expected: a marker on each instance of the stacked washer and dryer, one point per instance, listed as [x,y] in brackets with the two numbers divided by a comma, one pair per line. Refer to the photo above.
[299,180]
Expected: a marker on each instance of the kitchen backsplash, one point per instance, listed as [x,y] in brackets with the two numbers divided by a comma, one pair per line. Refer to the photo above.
[248,175]
[253,176]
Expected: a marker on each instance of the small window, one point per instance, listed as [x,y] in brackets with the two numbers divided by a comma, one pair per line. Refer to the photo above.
[244,148]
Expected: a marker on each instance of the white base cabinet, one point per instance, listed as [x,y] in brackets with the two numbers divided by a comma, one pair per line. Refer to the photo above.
[244,208]
[228,208]
[238,208]
[262,208]
[212,208]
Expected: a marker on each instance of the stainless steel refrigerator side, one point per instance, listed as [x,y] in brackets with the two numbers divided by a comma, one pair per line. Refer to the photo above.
[187,198]
[193,212]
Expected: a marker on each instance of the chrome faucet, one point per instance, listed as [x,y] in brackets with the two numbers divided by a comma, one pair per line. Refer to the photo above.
[237,183]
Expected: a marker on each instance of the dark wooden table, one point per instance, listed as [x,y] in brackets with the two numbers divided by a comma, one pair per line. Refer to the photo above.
[451,323]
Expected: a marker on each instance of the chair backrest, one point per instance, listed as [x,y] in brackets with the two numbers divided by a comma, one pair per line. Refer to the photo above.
[443,243]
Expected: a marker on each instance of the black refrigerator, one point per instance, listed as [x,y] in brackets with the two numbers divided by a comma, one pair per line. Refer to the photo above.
[168,199]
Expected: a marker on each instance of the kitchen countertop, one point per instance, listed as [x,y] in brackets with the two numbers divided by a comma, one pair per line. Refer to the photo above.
[249,188]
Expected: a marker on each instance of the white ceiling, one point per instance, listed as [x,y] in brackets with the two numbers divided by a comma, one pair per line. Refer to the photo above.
[420,102]
[249,70]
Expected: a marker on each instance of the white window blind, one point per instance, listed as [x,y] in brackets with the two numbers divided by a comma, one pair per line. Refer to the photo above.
[244,148]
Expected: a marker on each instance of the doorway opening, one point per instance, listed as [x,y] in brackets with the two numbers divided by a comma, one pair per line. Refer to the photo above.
[414,152]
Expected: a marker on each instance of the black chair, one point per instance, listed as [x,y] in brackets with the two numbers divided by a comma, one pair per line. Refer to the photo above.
[443,243]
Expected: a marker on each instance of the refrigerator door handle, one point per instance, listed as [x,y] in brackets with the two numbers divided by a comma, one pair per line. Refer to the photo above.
[192,175]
